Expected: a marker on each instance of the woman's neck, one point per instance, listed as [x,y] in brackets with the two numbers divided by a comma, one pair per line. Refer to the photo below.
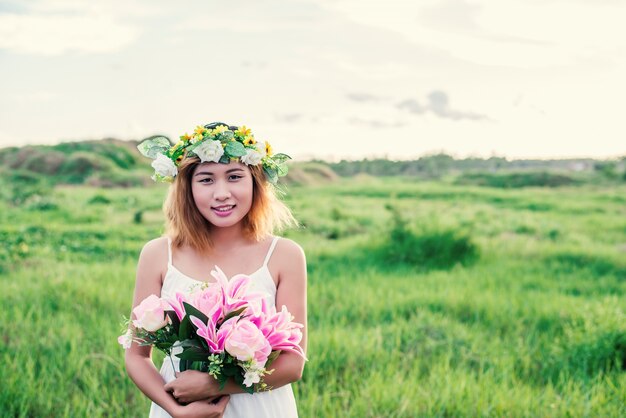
[226,239]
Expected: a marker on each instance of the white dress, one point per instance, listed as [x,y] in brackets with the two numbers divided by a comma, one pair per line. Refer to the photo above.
[276,403]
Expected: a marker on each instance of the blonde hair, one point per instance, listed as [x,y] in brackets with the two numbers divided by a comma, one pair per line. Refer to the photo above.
[185,225]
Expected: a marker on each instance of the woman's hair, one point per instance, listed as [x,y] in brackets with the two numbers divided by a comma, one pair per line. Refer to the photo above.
[186,225]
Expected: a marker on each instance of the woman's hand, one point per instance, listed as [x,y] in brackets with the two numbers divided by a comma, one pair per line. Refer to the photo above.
[192,385]
[203,409]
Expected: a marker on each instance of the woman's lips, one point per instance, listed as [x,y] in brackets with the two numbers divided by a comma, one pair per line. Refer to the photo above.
[223,213]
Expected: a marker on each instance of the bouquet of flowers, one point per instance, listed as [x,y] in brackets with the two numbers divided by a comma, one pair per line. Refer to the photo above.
[222,328]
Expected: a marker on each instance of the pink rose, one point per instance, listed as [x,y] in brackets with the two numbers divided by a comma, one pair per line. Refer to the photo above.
[245,341]
[210,301]
[150,314]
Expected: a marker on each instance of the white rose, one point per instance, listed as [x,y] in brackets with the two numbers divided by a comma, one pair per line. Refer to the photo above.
[251,376]
[252,157]
[126,339]
[164,166]
[210,150]
[261,147]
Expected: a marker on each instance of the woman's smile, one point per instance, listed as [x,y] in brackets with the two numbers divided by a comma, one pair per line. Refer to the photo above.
[223,210]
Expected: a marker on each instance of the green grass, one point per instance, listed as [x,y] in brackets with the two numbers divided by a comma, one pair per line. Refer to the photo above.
[526,319]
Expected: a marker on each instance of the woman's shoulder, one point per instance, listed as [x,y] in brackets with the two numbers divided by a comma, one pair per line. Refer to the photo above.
[289,253]
[155,249]
[288,247]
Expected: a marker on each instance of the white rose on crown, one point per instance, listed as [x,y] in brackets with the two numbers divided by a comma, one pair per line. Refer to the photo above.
[210,151]
[252,157]
[261,146]
[164,166]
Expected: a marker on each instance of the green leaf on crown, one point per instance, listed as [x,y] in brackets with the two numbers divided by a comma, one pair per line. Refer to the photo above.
[235,149]
[280,158]
[282,169]
[153,146]
[272,175]
[224,159]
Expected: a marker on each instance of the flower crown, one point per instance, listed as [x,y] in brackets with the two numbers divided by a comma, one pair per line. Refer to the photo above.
[215,142]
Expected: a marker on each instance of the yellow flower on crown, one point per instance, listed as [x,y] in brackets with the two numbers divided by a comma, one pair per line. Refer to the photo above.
[243,131]
[168,158]
[220,129]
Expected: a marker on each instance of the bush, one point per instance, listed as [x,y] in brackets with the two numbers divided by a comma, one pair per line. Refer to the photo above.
[118,178]
[18,186]
[517,180]
[81,165]
[112,152]
[429,248]
[99,200]
[44,162]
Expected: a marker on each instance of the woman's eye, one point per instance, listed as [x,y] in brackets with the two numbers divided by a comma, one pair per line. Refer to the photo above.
[234,176]
[207,180]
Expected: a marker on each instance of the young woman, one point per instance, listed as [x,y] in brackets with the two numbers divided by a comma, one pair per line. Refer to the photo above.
[221,211]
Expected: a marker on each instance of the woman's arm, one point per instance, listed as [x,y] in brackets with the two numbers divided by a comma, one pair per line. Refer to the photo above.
[138,359]
[291,292]
[288,367]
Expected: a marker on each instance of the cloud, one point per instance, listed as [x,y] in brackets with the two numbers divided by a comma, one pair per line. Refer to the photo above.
[363,97]
[412,106]
[376,123]
[438,103]
[55,35]
[459,16]
[289,117]
[56,27]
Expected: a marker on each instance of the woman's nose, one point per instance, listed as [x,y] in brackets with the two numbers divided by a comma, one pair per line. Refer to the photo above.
[221,190]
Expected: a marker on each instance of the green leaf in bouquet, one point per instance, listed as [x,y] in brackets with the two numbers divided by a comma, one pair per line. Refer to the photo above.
[233,314]
[163,346]
[231,370]
[153,146]
[197,365]
[193,354]
[222,379]
[184,365]
[185,331]
[239,380]
[175,322]
[189,343]
[235,149]
[224,159]
[270,359]
[190,310]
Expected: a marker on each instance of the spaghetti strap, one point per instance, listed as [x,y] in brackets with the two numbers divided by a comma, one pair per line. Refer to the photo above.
[270,251]
[169,251]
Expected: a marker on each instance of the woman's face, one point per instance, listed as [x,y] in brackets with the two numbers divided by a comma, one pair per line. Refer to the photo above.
[222,192]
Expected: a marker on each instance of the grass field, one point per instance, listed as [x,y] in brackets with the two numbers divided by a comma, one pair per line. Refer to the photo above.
[497,303]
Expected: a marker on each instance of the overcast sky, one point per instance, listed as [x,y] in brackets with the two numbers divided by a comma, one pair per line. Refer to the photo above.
[331,79]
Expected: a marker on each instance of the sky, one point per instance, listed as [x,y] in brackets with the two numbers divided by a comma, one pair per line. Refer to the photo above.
[329,79]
